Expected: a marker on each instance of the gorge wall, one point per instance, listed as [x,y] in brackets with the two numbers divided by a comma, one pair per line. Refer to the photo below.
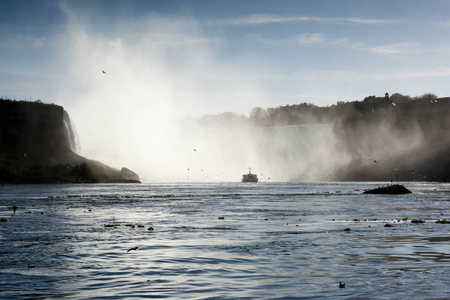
[36,146]
[398,142]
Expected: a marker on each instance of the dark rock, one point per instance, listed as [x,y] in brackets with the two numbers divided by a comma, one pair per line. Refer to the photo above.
[36,148]
[417,221]
[443,221]
[394,189]
[129,175]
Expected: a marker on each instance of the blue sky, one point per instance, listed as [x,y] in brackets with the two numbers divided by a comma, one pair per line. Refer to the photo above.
[166,59]
[225,55]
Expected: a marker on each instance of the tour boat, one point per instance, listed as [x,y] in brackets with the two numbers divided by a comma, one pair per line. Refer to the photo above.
[249,177]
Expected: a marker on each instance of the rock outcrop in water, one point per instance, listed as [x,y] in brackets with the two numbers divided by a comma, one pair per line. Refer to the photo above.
[394,189]
[35,147]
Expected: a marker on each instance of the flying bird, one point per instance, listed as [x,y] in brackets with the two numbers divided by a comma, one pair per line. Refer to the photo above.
[103,72]
[134,248]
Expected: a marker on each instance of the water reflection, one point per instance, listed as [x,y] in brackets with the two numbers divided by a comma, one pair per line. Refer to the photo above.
[272,241]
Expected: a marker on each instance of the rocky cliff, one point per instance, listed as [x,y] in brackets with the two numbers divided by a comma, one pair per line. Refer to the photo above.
[35,147]
[399,142]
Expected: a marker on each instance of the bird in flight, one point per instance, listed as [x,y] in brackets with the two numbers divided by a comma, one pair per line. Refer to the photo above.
[103,72]
[134,248]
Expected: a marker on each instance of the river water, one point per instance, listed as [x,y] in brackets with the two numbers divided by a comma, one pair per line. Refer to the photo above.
[218,241]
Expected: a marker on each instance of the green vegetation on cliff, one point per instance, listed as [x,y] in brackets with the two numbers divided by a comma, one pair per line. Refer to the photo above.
[376,139]
[310,114]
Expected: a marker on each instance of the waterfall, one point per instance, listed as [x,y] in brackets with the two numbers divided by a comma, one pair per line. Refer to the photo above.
[71,133]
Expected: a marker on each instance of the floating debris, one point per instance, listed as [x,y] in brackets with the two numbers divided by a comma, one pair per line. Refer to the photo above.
[417,221]
[111,225]
[443,221]
[131,249]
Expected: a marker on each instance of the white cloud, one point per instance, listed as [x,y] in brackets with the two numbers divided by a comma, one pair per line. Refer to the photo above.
[300,40]
[397,48]
[258,19]
[311,38]
[306,39]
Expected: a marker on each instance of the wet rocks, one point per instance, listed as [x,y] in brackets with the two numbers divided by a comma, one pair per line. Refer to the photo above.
[111,225]
[417,221]
[395,189]
[443,221]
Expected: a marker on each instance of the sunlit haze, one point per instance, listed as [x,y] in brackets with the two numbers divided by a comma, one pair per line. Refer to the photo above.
[127,70]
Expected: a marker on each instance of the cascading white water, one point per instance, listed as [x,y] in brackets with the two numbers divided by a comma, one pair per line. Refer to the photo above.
[71,133]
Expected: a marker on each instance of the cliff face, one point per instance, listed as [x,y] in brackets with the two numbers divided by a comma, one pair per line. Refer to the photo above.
[30,130]
[35,148]
[411,144]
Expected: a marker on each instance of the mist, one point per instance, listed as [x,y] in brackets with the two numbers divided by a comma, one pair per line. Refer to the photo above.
[160,69]
[157,70]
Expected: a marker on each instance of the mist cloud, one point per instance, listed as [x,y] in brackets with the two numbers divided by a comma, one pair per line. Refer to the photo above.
[157,69]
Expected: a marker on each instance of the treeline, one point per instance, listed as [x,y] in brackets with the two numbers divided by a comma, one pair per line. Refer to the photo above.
[308,114]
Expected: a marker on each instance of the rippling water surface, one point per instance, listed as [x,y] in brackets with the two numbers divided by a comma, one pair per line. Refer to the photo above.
[216,241]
